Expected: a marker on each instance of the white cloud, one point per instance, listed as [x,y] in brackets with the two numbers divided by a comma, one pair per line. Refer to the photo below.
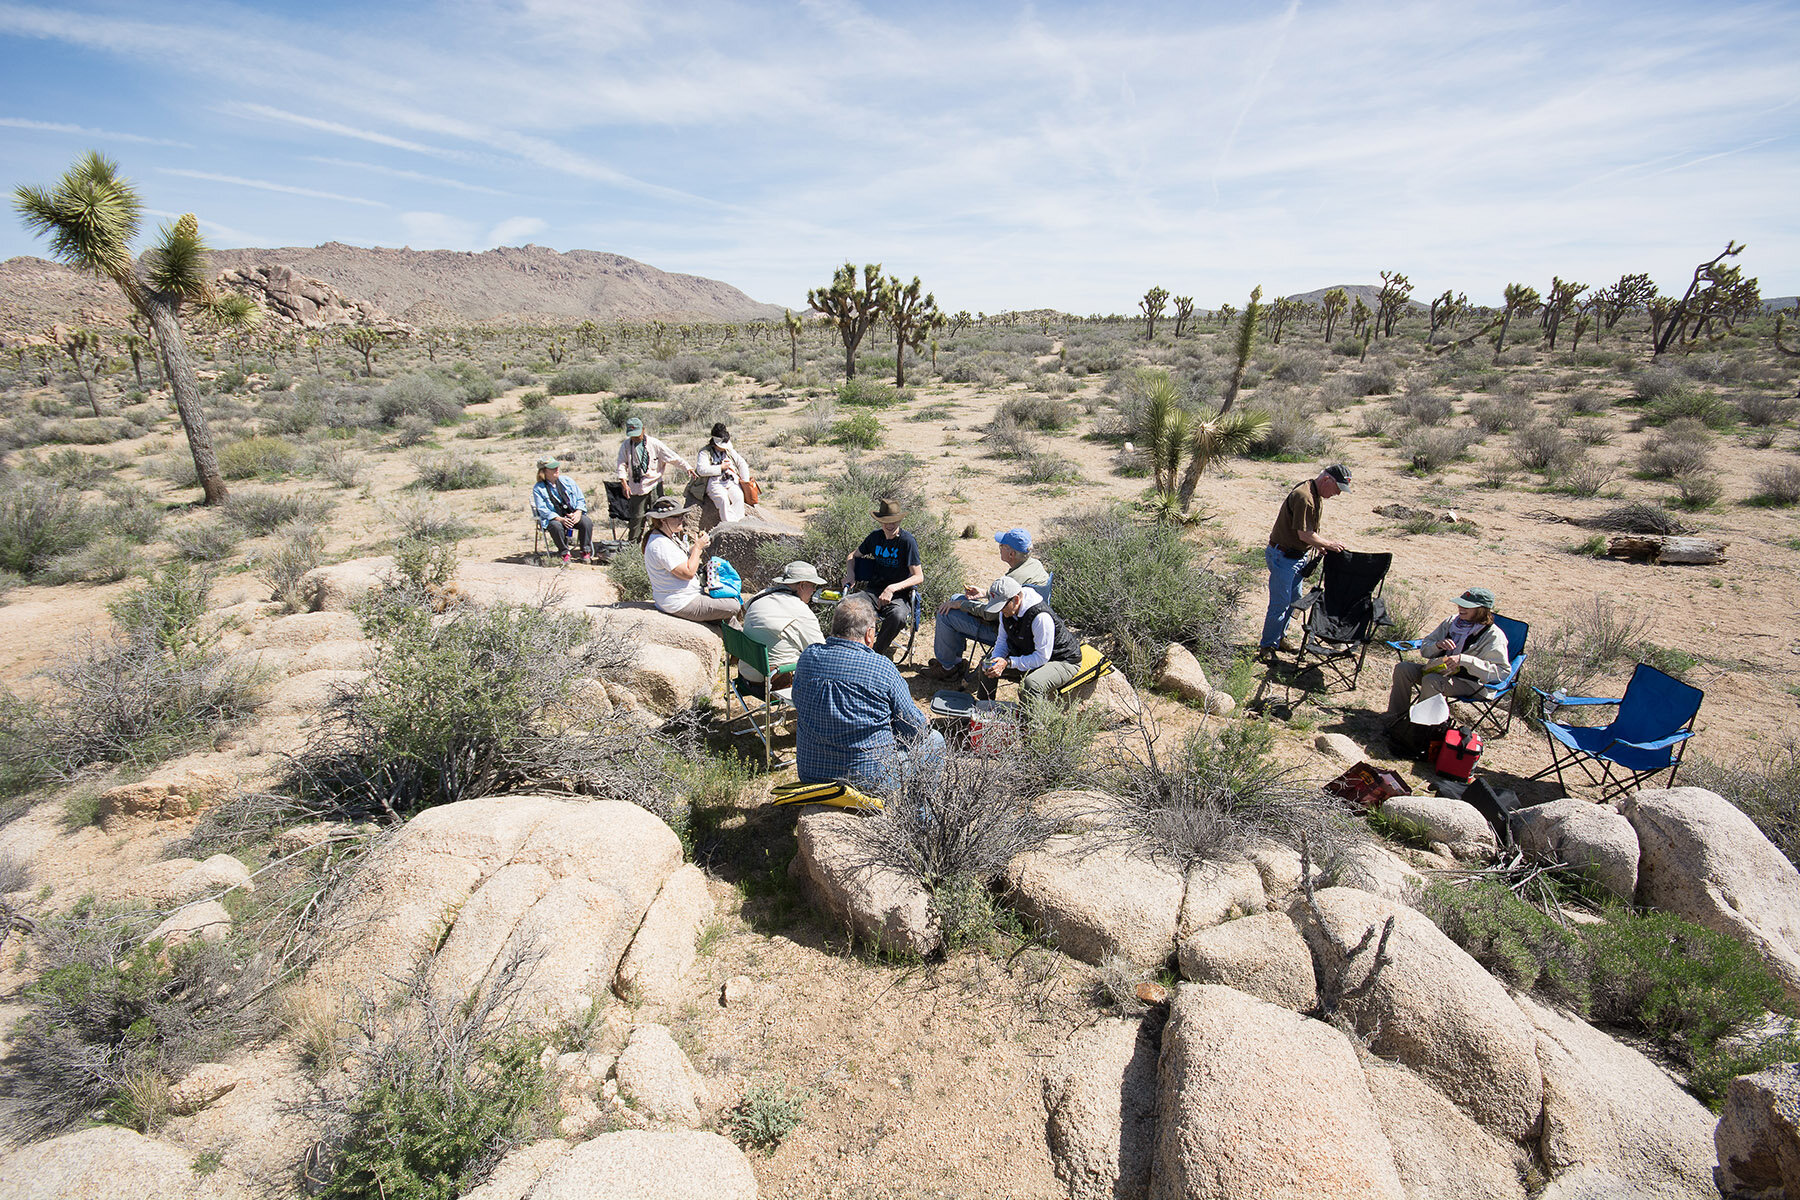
[514,230]
[266,185]
[439,231]
[110,135]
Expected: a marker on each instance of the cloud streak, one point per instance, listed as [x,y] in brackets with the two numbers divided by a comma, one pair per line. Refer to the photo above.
[266,185]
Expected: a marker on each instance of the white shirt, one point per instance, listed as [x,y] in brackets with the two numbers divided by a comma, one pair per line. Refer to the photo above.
[662,554]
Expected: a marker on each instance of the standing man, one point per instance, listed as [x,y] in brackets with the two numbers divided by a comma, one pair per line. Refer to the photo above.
[857,720]
[1296,531]
[963,617]
[642,460]
[887,566]
[1033,641]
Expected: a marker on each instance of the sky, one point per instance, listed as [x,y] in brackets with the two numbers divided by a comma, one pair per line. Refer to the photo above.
[1011,155]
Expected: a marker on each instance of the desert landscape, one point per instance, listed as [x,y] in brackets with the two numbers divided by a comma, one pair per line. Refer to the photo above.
[355,847]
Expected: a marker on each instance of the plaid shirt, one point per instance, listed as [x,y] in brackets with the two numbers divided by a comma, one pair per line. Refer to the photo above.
[853,707]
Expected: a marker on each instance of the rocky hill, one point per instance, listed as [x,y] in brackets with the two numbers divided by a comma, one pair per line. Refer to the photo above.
[1370,293]
[421,287]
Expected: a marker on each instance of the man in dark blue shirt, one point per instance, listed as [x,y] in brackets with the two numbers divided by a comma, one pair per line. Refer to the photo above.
[856,719]
[887,567]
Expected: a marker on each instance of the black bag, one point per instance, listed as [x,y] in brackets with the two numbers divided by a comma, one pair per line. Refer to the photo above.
[1496,804]
[1411,740]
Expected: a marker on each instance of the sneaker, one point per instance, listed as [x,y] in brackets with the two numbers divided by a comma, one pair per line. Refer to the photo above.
[565,560]
[588,557]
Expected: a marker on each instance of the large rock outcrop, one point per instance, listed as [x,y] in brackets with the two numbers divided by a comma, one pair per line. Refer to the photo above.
[1100,901]
[1758,1136]
[1254,1101]
[759,546]
[877,903]
[1705,860]
[1262,955]
[1420,999]
[1589,837]
[1441,1153]
[645,1164]
[1100,1096]
[677,661]
[663,949]
[107,1162]
[463,889]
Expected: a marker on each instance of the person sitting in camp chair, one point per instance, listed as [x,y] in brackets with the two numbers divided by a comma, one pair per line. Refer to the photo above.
[1462,655]
[781,618]
[1032,642]
[561,511]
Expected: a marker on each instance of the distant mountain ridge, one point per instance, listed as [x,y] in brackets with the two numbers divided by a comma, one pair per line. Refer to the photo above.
[422,287]
[1370,293]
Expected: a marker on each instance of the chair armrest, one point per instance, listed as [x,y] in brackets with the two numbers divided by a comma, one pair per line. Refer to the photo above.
[1307,601]
[1403,647]
[1511,677]
[1576,701]
[1658,744]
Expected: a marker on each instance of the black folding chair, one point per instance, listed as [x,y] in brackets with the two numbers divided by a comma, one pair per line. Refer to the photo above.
[618,508]
[1342,616]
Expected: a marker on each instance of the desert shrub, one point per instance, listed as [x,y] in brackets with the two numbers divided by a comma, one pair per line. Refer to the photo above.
[1543,446]
[1429,450]
[131,513]
[1037,412]
[106,558]
[1377,381]
[1679,448]
[1658,383]
[461,705]
[255,456]
[1373,422]
[299,549]
[1213,794]
[152,687]
[616,411]
[1497,414]
[1765,785]
[702,407]
[870,393]
[413,431]
[421,396]
[642,385]
[546,422]
[1587,476]
[1708,408]
[205,541]
[1687,988]
[1764,410]
[40,520]
[1777,487]
[534,399]
[1424,408]
[1638,517]
[839,525]
[580,379]
[766,1115]
[1290,436]
[453,473]
[1296,368]
[1697,490]
[518,377]
[473,384]
[1133,587]
[689,368]
[421,519]
[1590,639]
[257,511]
[338,465]
[1586,403]
[448,1089]
[862,431]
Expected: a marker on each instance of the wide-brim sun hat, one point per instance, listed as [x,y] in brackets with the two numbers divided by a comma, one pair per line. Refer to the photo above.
[887,510]
[668,506]
[799,572]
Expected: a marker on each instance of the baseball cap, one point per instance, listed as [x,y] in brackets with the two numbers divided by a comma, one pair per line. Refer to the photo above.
[1475,598]
[1340,473]
[549,464]
[634,425]
[1015,539]
[1002,590]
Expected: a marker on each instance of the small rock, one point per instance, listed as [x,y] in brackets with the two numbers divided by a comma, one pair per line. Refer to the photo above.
[1262,956]
[1758,1138]
[206,920]
[1152,993]
[737,991]
[165,800]
[1218,702]
[1459,826]
[1180,673]
[200,1087]
[219,873]
[971,530]
[1339,748]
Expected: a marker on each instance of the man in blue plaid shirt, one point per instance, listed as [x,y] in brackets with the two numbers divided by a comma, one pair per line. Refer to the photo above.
[856,719]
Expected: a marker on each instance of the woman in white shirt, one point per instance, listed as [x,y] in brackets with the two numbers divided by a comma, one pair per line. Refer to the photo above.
[724,469]
[675,566]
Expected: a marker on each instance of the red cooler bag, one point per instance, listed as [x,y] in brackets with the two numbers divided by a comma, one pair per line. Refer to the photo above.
[1457,754]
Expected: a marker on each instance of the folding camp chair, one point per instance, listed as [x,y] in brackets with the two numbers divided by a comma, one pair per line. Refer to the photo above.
[856,584]
[618,508]
[1647,735]
[741,648]
[836,794]
[1342,615]
[1488,702]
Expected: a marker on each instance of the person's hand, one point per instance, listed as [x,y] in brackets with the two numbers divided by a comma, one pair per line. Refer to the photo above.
[1334,547]
[1452,662]
[1446,646]
[887,595]
[973,591]
[703,540]
[946,606]
[994,667]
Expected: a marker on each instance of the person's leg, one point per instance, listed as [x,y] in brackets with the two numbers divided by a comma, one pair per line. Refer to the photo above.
[893,616]
[1047,679]
[586,528]
[924,762]
[727,498]
[636,505]
[559,536]
[1407,676]
[1284,589]
[955,630]
[708,608]
[1450,687]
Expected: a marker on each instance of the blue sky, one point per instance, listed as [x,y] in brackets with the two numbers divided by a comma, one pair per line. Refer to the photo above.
[1012,155]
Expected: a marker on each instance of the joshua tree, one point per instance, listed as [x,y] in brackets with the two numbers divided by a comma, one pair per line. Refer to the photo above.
[236,316]
[791,323]
[1445,309]
[849,307]
[91,216]
[1224,313]
[1360,316]
[911,315]
[1154,302]
[1184,309]
[1396,289]
[1780,346]
[1521,301]
[1165,431]
[1280,313]
[80,346]
[1717,292]
[1630,293]
[365,340]
[1331,309]
[1565,298]
[135,346]
[1227,432]
[958,321]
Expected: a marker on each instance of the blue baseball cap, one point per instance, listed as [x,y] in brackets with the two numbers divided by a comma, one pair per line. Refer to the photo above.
[1017,539]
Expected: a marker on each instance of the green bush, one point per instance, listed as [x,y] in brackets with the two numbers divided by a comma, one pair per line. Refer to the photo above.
[40,520]
[642,385]
[1687,988]
[870,393]
[260,511]
[1133,587]
[206,540]
[546,422]
[429,398]
[454,473]
[1037,412]
[580,380]
[838,526]
[255,456]
[628,574]
[862,432]
[766,1115]
[1777,487]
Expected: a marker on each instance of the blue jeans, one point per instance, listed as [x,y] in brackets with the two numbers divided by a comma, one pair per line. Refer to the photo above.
[1284,589]
[955,629]
[922,763]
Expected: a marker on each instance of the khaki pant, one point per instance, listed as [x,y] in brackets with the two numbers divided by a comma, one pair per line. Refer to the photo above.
[1042,681]
[1410,675]
[707,608]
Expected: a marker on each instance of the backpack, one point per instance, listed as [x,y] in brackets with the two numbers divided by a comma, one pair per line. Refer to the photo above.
[722,580]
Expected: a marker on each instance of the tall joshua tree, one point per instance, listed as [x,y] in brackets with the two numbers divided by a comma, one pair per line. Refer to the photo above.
[1154,302]
[791,324]
[1184,312]
[1521,301]
[90,217]
[912,314]
[82,347]
[850,307]
[1331,309]
[1228,432]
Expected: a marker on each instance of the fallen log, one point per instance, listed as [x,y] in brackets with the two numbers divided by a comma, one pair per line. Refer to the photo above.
[1667,551]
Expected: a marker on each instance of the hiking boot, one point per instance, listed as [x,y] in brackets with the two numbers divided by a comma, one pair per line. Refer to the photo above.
[565,559]
[937,670]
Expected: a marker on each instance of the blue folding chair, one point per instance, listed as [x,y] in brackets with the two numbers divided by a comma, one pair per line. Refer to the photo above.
[1488,701]
[1647,735]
